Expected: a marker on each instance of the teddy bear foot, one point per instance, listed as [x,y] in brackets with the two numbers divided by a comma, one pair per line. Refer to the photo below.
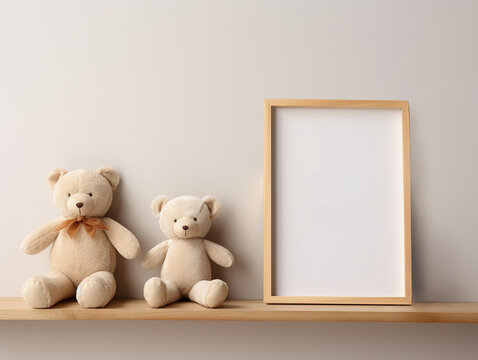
[36,292]
[96,290]
[158,292]
[42,292]
[210,294]
[155,292]
[217,293]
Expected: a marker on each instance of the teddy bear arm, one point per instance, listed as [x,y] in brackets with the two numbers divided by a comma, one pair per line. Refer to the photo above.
[122,239]
[155,257]
[41,238]
[219,254]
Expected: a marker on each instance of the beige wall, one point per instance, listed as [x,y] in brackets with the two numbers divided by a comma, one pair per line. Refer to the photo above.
[171,95]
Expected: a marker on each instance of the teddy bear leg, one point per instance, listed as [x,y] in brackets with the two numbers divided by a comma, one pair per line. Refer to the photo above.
[209,293]
[96,290]
[159,292]
[45,291]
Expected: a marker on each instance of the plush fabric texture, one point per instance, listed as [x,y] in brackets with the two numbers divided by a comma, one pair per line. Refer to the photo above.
[185,256]
[82,258]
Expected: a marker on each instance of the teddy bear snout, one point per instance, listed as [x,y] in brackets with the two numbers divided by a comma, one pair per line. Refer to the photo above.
[185,228]
[80,204]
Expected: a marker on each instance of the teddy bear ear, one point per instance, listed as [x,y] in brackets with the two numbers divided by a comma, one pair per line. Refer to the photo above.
[110,175]
[54,176]
[158,204]
[213,205]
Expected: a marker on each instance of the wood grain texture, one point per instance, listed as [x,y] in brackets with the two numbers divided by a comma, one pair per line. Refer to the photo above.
[269,105]
[245,310]
[267,200]
[407,200]
[325,103]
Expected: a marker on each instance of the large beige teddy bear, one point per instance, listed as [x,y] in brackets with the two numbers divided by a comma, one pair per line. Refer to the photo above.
[186,269]
[83,255]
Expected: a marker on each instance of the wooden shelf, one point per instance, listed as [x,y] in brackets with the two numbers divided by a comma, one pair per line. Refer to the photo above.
[245,310]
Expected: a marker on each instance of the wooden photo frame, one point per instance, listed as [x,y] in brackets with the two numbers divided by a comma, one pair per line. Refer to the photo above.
[337,202]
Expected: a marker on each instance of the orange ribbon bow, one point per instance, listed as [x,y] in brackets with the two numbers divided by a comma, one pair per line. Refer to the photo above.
[73,225]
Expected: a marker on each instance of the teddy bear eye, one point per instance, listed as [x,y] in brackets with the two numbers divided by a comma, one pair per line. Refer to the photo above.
[175,220]
[90,194]
[195,219]
[69,194]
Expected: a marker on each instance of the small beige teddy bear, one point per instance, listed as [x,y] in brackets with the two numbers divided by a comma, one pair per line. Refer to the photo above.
[186,269]
[83,255]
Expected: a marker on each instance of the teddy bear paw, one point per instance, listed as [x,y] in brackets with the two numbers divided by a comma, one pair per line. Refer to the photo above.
[36,292]
[155,292]
[93,293]
[217,293]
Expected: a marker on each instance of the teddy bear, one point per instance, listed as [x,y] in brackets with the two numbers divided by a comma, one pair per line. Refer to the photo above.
[185,256]
[84,242]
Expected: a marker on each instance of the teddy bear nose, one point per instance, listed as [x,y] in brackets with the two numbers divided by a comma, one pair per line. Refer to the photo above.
[79,204]
[185,227]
